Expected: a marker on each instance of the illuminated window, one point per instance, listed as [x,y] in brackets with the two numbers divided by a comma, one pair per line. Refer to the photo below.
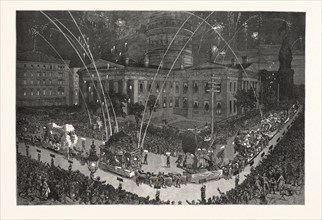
[164,104]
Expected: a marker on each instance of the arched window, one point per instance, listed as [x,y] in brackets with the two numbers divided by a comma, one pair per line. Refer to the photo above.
[206,106]
[195,104]
[218,108]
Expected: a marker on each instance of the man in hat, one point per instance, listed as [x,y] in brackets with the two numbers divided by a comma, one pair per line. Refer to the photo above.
[39,156]
[168,161]
[145,159]
[157,196]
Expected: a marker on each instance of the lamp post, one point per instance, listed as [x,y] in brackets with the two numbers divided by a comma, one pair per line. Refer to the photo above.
[92,160]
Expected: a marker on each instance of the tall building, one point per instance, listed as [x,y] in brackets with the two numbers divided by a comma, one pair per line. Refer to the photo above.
[42,80]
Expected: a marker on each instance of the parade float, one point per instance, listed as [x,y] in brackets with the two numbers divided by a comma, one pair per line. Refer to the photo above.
[120,155]
[61,139]
[250,147]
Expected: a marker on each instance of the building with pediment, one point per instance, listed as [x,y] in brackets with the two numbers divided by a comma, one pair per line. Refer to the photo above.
[181,86]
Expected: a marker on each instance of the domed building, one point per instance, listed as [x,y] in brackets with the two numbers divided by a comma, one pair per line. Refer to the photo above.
[164,28]
[182,91]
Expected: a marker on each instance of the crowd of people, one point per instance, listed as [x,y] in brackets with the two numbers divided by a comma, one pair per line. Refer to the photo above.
[38,182]
[281,173]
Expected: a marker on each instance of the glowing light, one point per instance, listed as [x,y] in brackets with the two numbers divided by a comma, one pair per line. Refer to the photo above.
[93,164]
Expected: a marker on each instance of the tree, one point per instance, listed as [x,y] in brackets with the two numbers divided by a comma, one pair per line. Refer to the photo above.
[152,103]
[136,109]
[246,99]
[118,101]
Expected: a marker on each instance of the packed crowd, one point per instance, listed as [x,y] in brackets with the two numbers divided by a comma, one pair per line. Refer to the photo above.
[37,182]
[158,140]
[281,173]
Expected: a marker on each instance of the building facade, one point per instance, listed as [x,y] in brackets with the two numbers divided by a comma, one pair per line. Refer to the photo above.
[42,80]
[183,92]
[74,92]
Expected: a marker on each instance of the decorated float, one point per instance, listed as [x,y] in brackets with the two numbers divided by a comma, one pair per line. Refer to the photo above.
[120,155]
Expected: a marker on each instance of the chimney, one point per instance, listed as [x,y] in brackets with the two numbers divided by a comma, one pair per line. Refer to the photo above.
[245,59]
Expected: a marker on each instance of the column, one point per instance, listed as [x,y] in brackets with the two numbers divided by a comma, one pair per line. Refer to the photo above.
[135,90]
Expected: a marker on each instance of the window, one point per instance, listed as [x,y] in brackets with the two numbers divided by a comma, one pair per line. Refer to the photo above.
[38,81]
[51,67]
[24,93]
[230,86]
[230,107]
[44,66]
[62,90]
[50,91]
[176,102]
[177,87]
[164,87]
[38,92]
[185,87]
[43,91]
[171,87]
[185,103]
[157,87]
[25,65]
[206,106]
[218,109]
[195,86]
[207,87]
[195,104]
[31,74]
[170,103]
[38,74]
[32,92]
[25,82]
[164,104]
[149,87]
[43,81]
[141,87]
[235,106]
[32,82]
[25,74]
[50,82]
[32,65]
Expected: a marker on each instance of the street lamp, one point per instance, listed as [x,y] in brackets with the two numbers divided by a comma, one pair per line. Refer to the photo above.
[92,160]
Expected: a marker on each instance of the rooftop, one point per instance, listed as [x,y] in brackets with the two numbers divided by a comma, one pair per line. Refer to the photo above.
[37,56]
